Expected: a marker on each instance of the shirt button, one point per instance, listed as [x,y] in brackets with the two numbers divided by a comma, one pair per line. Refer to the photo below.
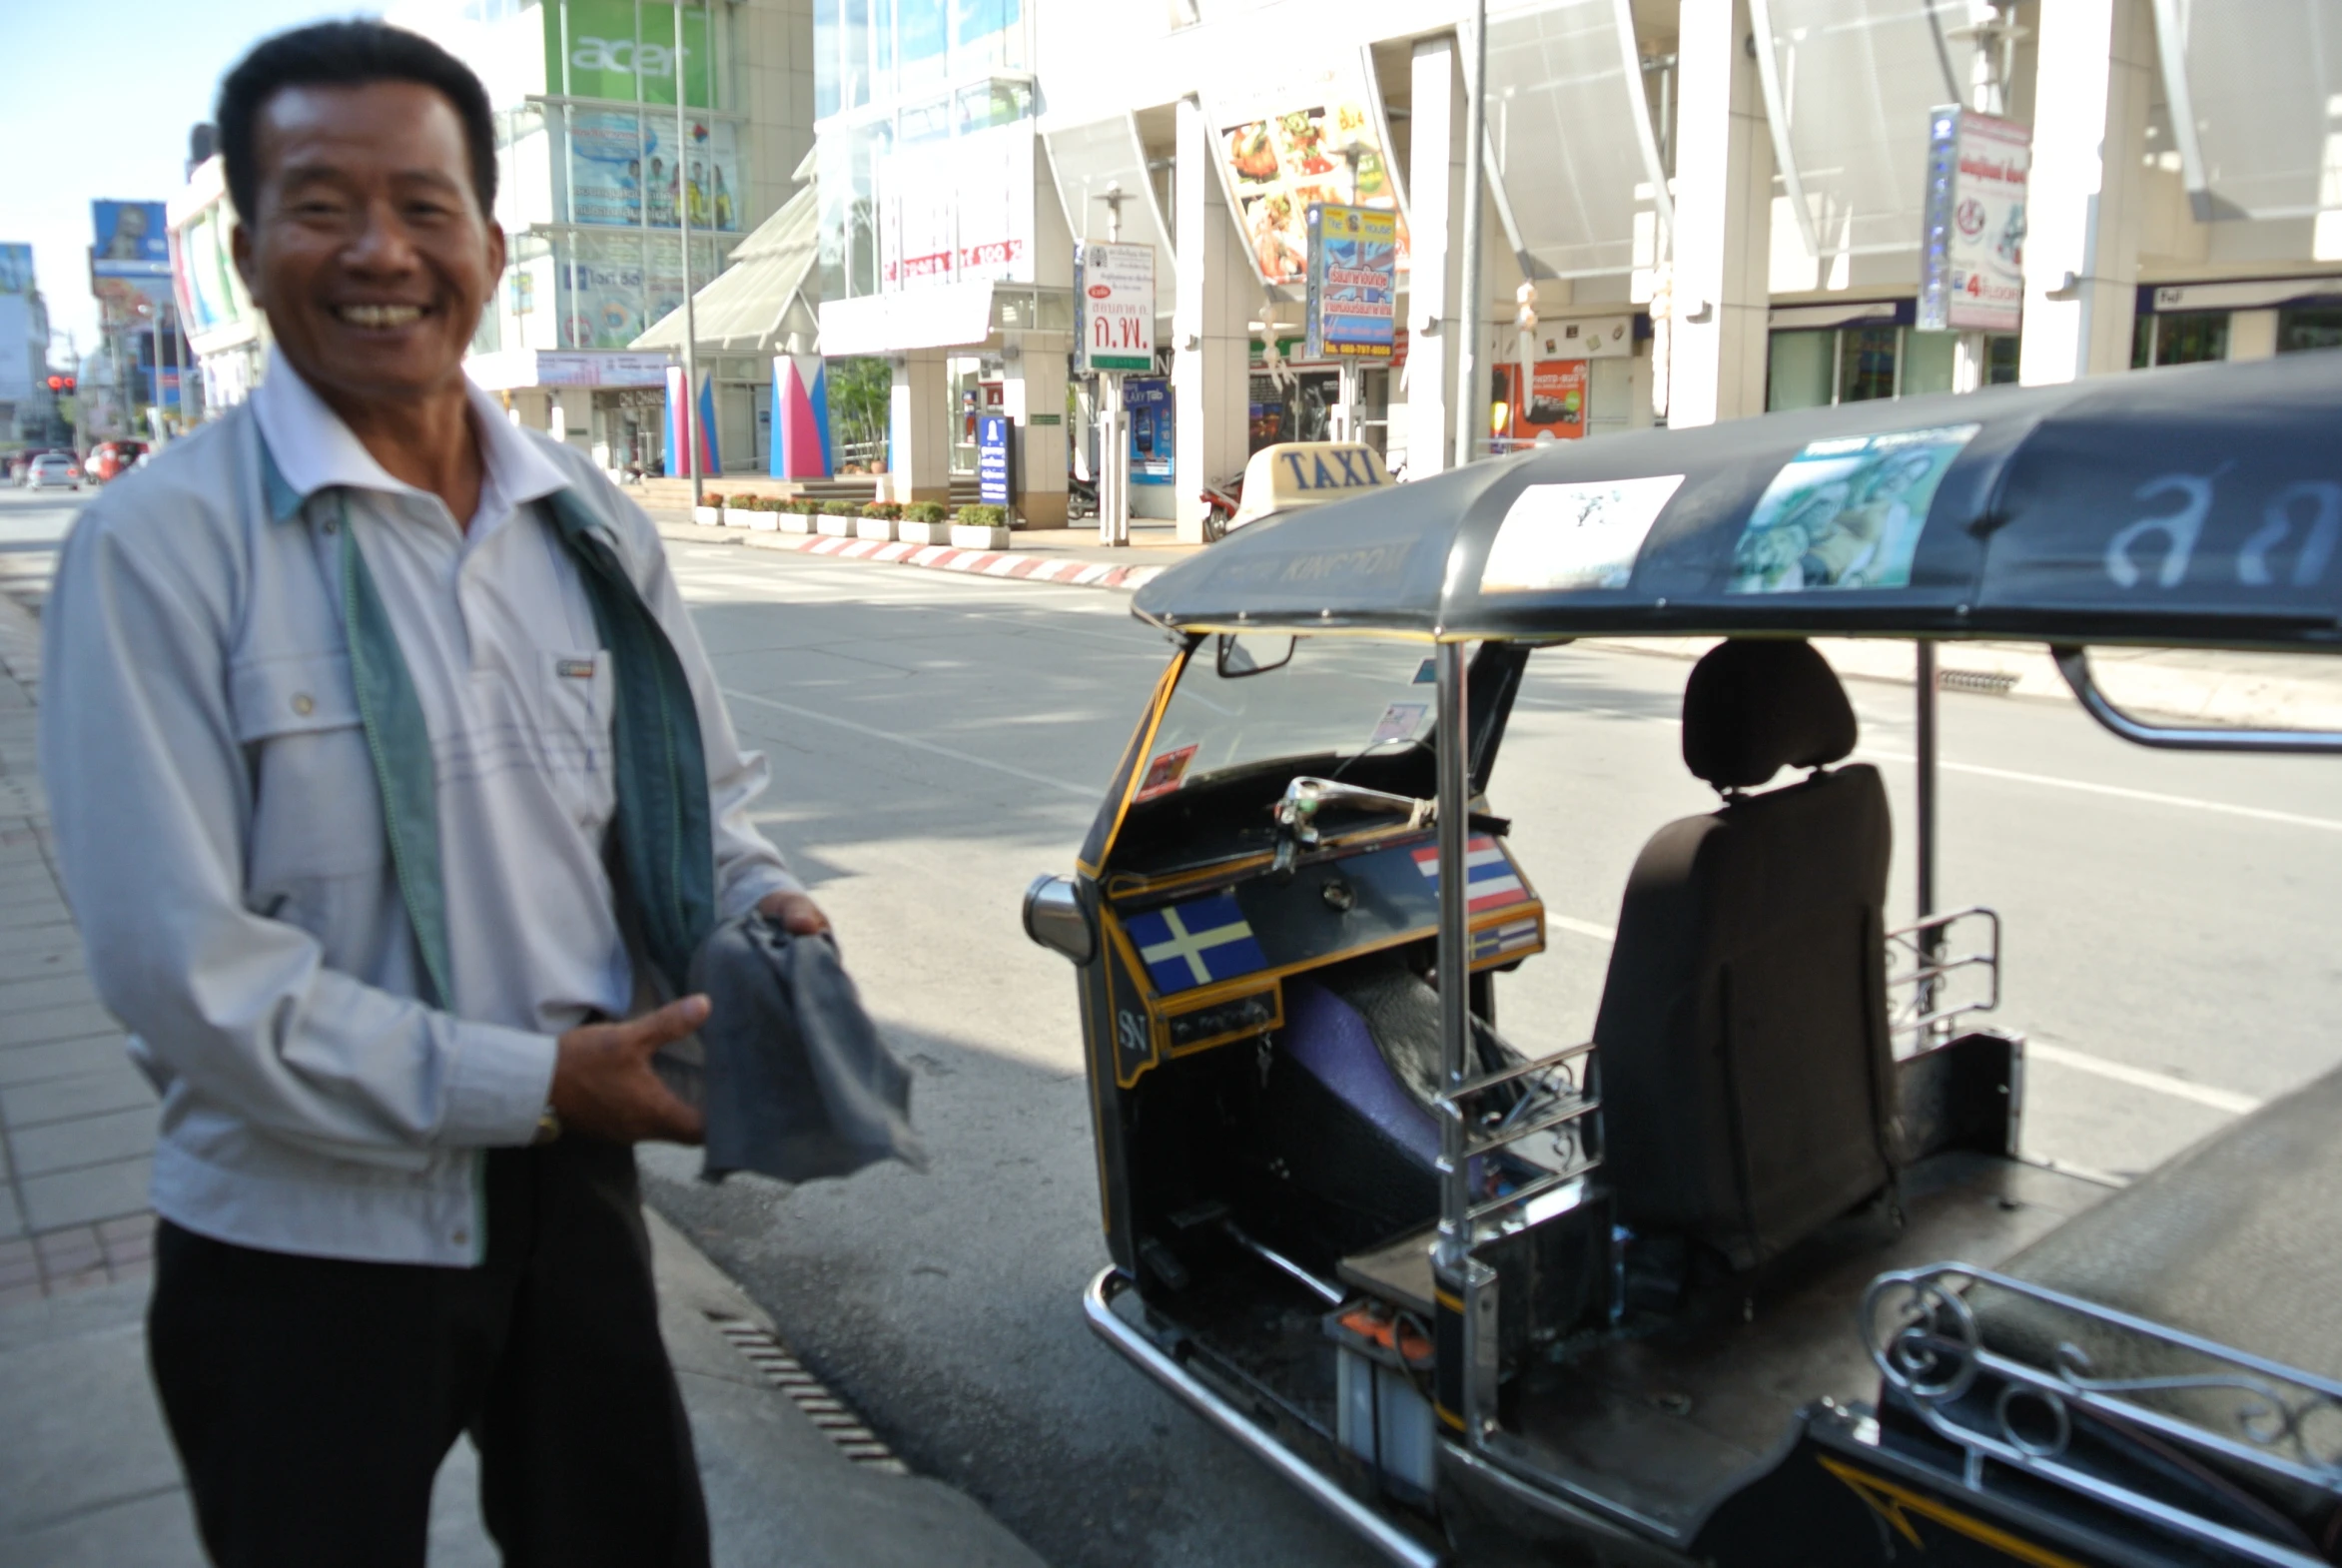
[304,704]
[329,525]
[460,1238]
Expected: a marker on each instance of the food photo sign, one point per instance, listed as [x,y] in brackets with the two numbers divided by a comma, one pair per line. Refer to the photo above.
[1288,148]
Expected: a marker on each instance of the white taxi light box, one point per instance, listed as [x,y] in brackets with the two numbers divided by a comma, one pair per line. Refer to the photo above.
[1308,474]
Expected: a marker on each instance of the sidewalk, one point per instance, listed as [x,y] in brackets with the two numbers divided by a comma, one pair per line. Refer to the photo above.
[87,1475]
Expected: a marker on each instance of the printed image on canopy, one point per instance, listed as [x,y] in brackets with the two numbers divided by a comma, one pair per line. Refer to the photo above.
[1846,514]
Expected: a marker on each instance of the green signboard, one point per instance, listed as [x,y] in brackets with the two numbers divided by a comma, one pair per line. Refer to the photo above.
[608,58]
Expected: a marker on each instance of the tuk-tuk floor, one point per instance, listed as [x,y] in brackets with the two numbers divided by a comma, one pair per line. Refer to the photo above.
[1662,1413]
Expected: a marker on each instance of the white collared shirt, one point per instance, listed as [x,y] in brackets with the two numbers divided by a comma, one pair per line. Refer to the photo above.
[220,835]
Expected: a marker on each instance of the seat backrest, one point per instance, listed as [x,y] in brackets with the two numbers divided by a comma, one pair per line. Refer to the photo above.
[1745,1055]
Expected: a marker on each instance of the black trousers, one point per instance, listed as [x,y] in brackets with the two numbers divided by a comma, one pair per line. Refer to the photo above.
[313,1400]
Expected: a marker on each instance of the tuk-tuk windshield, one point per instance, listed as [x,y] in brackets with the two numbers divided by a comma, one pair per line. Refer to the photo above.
[1250,699]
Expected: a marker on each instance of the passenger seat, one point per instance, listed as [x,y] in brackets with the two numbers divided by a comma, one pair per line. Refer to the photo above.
[1746,1065]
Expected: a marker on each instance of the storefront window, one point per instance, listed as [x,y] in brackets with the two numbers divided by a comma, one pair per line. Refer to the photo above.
[1865,363]
[1928,359]
[2312,328]
[1801,372]
[2181,337]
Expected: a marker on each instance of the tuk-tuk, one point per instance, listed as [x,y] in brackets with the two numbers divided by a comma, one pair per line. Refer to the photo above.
[1757,1275]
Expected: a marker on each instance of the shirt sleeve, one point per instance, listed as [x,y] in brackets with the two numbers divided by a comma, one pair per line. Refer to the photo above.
[748,868]
[152,806]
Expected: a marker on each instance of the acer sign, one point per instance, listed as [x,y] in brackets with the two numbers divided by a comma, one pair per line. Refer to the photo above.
[609,59]
[1972,255]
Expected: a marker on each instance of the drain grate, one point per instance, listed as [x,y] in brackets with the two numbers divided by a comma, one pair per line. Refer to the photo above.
[1992,682]
[817,1404]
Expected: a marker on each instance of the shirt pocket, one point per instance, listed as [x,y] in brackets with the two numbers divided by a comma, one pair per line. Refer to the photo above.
[317,808]
[576,706]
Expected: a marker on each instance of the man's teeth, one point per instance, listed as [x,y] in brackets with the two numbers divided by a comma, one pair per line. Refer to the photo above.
[379,315]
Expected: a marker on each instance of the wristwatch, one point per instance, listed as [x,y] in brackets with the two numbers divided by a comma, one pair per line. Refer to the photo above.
[548,1125]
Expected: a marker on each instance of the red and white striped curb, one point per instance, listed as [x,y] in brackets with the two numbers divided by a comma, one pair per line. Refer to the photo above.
[942,557]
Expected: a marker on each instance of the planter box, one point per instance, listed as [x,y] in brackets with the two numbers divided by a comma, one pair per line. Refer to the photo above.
[708,516]
[924,532]
[761,522]
[739,517]
[835,527]
[975,537]
[879,529]
[793,521]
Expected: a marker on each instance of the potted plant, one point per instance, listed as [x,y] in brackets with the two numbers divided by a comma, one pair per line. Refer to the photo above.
[764,513]
[925,523]
[797,515]
[879,520]
[837,519]
[737,511]
[709,514]
[981,529]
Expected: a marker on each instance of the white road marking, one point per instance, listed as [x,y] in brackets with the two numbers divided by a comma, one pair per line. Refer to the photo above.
[1086,792]
[2150,797]
[2142,1078]
[2058,1056]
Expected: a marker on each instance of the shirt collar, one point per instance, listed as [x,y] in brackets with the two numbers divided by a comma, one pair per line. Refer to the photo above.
[309,448]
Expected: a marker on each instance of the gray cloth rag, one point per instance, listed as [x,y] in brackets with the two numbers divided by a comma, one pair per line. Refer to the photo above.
[793,1078]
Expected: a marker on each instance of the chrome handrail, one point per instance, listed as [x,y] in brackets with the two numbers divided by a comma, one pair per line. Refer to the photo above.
[2074,664]
[1929,1346]
[1922,941]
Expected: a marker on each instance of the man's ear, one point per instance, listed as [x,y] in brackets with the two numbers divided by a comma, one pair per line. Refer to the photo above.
[496,254]
[239,250]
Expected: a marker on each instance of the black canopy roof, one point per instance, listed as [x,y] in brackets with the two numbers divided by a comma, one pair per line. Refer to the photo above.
[2196,506]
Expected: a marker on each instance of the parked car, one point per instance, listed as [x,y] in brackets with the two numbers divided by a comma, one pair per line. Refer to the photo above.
[52,471]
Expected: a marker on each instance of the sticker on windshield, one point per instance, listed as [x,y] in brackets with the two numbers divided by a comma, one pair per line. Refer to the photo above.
[1567,537]
[1400,721]
[1165,773]
[1846,514]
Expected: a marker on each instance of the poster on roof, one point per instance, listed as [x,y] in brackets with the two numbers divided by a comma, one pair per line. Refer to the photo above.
[1293,145]
[1971,254]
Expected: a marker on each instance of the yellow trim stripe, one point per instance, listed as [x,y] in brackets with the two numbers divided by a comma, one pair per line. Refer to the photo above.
[1889,1501]
[1141,744]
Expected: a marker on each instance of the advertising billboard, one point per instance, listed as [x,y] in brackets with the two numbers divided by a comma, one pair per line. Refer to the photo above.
[133,240]
[1972,257]
[616,156]
[1555,404]
[16,268]
[1353,282]
[1288,148]
[1116,284]
[609,58]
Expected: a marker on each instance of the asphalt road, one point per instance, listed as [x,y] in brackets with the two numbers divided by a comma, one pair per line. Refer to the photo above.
[936,741]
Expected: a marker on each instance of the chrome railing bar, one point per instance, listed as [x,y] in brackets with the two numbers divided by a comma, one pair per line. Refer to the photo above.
[1532,1192]
[1546,1123]
[1474,1086]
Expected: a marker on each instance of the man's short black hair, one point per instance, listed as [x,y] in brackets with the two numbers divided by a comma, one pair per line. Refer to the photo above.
[346,54]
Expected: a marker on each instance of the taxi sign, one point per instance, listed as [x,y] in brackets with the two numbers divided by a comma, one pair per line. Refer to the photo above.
[1291,474]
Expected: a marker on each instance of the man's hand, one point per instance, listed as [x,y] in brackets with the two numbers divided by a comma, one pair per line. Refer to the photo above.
[799,916]
[605,1087]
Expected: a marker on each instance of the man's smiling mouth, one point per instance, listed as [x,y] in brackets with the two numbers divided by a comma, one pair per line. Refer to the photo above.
[378,315]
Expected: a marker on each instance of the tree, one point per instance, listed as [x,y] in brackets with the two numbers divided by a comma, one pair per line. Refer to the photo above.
[861,392]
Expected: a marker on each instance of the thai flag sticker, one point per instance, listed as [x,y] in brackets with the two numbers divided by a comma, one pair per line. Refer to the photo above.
[1195,943]
[1491,881]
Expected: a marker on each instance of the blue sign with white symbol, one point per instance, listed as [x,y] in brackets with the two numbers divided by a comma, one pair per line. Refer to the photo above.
[1193,944]
[992,458]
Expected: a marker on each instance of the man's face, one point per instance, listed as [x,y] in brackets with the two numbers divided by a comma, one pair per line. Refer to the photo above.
[369,252]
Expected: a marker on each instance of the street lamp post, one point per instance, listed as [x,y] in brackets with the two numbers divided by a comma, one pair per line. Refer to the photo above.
[1470,410]
[688,426]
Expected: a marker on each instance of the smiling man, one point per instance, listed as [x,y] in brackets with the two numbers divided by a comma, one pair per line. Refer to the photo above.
[388,777]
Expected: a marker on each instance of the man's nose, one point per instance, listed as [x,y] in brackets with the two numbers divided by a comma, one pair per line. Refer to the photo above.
[382,244]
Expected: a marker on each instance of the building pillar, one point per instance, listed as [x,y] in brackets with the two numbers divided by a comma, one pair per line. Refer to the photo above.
[1034,383]
[1435,180]
[1723,220]
[2083,211]
[919,436]
[1210,331]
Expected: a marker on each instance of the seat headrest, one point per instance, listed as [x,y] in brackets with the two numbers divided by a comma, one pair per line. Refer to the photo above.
[1756,706]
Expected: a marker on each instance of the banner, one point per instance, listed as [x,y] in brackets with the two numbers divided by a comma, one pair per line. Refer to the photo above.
[133,240]
[1148,403]
[1555,404]
[1290,148]
[1353,282]
[602,295]
[16,268]
[607,59]
[957,209]
[1114,291]
[618,159]
[1972,255]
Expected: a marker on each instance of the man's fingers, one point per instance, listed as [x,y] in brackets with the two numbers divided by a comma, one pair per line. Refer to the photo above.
[668,1025]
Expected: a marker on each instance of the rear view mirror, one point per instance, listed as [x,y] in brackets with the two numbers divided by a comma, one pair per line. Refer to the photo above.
[1238,655]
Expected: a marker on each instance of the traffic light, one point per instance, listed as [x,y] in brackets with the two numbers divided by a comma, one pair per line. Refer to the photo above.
[61,383]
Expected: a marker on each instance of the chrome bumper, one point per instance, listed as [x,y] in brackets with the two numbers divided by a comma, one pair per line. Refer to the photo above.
[1363,1519]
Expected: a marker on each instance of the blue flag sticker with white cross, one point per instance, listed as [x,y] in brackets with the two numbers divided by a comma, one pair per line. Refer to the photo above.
[1193,944]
